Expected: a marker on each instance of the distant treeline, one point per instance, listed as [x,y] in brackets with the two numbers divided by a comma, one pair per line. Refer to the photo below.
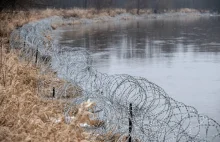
[99,4]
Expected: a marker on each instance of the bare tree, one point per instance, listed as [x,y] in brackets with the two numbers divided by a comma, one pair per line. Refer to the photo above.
[85,3]
[138,7]
[98,4]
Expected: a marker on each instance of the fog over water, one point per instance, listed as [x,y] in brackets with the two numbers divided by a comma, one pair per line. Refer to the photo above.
[182,55]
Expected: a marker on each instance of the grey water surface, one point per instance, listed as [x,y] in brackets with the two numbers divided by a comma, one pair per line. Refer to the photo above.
[181,54]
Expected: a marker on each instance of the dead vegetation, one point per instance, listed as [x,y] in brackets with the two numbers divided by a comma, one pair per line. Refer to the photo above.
[24,115]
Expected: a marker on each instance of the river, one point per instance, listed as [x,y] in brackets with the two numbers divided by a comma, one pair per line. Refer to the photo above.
[181,54]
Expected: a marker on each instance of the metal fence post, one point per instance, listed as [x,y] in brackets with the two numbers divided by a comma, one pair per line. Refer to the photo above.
[36,57]
[53,92]
[130,121]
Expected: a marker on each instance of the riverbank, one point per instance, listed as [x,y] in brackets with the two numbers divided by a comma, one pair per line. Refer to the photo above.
[25,116]
[12,20]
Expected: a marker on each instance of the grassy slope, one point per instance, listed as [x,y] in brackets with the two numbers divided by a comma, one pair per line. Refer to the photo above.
[24,116]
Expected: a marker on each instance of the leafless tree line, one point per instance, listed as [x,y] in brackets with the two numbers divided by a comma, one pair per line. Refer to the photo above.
[99,4]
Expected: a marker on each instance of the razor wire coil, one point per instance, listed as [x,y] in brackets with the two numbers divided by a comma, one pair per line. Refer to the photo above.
[156,117]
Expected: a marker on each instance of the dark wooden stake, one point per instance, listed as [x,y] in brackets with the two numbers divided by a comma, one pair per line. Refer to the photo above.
[53,92]
[130,122]
[36,57]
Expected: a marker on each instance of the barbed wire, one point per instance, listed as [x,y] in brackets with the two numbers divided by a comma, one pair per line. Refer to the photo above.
[128,108]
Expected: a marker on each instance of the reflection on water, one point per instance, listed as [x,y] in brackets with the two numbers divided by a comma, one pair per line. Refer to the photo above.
[181,55]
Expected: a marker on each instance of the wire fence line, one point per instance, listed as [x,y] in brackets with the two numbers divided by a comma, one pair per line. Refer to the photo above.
[132,108]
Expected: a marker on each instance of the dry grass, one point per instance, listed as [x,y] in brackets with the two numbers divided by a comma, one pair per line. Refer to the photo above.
[26,117]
